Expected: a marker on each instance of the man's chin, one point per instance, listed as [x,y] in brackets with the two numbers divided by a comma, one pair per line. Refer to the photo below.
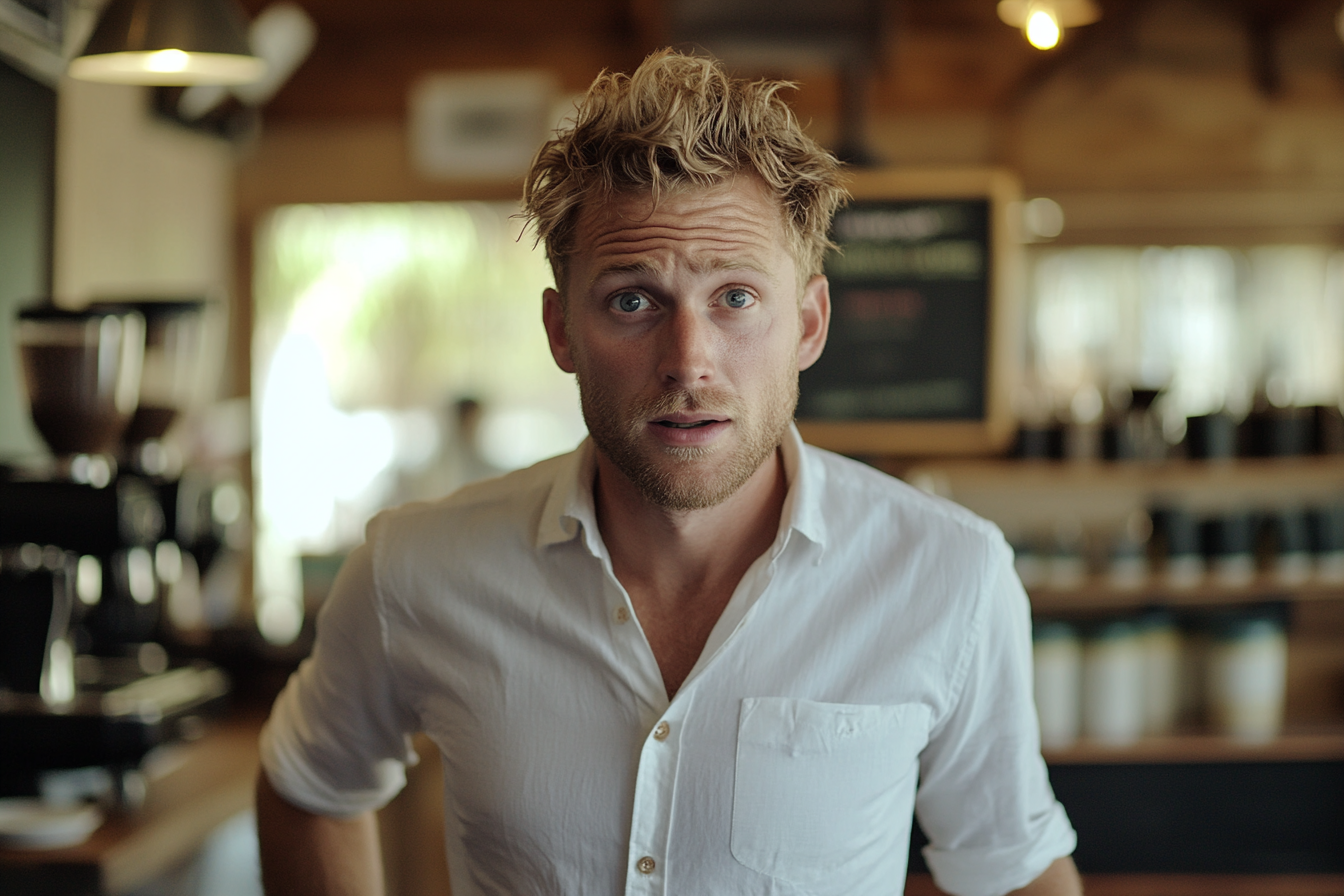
[684,493]
[690,478]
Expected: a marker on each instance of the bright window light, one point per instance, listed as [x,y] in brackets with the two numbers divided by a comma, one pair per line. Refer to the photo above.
[374,325]
[1208,325]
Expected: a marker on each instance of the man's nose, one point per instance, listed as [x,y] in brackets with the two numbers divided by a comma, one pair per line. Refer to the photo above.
[686,348]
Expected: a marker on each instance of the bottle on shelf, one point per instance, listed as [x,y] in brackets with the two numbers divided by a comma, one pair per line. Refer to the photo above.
[1327,542]
[1212,436]
[1133,430]
[1289,540]
[1183,561]
[1029,559]
[1127,566]
[1229,544]
[1067,568]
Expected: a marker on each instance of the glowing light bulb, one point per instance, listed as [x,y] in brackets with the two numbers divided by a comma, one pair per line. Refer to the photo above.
[1042,29]
[167,61]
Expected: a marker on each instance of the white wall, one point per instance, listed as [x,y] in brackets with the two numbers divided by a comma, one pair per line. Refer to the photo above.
[143,207]
[143,210]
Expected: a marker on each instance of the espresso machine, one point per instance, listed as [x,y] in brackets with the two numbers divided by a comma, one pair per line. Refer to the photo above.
[87,554]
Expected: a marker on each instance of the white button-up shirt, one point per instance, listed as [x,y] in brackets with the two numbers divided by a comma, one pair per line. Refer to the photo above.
[876,659]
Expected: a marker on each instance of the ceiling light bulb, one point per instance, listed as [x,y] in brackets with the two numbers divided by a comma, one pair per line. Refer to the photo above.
[1041,29]
[1043,21]
[166,61]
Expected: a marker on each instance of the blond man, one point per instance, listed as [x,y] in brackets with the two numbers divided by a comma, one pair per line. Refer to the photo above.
[695,656]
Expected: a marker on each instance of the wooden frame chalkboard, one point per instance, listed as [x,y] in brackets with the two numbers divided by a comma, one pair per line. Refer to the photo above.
[921,356]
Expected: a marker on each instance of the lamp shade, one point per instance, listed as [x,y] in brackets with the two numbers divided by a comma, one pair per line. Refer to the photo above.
[1067,13]
[169,42]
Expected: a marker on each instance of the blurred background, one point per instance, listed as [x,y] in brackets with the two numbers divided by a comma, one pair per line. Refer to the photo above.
[321,277]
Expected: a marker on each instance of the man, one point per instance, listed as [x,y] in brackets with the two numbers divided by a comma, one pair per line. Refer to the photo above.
[695,656]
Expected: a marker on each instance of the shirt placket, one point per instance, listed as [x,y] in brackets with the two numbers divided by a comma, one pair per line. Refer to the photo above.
[647,859]
[655,776]
[655,787]
[647,863]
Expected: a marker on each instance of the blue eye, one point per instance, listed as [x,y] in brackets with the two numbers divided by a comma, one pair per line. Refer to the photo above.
[629,301]
[737,298]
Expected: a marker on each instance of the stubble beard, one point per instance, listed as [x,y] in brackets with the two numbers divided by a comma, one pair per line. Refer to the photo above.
[687,478]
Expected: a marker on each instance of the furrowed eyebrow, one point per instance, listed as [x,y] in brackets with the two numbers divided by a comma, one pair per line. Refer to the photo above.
[634,267]
[710,266]
[699,266]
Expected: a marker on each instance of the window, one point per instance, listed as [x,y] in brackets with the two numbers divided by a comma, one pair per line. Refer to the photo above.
[1212,327]
[376,326]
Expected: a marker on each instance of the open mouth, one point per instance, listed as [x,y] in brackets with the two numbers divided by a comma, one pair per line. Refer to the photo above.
[672,424]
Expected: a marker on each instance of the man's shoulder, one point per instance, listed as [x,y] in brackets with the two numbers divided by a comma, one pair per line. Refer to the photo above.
[856,490]
[513,500]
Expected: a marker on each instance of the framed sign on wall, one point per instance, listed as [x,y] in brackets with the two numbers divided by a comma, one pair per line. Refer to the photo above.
[922,353]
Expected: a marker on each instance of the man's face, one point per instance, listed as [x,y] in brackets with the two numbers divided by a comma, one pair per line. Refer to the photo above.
[685,328]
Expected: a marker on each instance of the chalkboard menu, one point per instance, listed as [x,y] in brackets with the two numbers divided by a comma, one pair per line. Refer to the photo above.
[913,362]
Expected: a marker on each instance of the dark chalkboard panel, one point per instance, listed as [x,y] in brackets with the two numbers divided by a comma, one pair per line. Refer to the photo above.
[917,360]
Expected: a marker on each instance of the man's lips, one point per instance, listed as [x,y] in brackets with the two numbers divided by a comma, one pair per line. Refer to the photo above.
[688,421]
[689,429]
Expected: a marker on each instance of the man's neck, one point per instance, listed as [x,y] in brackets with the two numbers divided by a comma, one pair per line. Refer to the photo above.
[681,567]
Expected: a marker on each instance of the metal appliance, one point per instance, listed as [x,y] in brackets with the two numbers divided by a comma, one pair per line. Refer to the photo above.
[84,564]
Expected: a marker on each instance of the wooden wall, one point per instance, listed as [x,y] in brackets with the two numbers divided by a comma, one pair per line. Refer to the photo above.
[1129,119]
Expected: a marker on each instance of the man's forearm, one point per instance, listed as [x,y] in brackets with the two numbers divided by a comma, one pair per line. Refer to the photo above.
[303,854]
[1059,879]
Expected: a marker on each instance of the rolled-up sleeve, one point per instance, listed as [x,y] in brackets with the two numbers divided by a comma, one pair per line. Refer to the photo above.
[985,799]
[338,739]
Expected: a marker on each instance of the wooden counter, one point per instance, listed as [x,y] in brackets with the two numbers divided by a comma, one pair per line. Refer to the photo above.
[192,789]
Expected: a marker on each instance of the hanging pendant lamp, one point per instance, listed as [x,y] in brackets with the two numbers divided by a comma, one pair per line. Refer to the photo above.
[1043,21]
[169,42]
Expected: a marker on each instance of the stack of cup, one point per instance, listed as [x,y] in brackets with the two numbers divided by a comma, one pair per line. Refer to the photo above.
[1057,664]
[1246,675]
[1113,662]
[1161,645]
[1119,683]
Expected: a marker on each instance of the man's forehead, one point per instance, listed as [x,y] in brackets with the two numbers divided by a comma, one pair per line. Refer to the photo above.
[734,224]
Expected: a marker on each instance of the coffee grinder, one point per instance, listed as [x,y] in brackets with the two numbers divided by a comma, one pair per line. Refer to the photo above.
[78,544]
[82,371]
[199,503]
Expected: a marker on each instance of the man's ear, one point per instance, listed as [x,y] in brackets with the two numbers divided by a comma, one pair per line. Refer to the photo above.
[815,312]
[553,318]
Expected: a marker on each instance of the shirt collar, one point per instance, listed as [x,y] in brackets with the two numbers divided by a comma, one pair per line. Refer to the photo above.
[807,484]
[570,509]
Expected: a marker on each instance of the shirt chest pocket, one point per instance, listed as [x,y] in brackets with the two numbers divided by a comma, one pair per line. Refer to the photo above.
[819,786]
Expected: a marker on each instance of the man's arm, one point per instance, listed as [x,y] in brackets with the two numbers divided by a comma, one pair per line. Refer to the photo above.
[303,854]
[1060,879]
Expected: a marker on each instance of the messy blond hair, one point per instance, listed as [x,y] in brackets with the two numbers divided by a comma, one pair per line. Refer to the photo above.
[681,121]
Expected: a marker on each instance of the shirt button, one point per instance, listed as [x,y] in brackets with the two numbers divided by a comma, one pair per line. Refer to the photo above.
[660,731]
[621,615]
[646,865]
